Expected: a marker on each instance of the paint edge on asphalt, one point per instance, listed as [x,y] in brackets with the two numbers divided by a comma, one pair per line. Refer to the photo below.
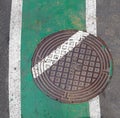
[14,59]
[91,26]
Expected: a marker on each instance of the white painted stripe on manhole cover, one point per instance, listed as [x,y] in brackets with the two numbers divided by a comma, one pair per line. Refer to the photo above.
[49,60]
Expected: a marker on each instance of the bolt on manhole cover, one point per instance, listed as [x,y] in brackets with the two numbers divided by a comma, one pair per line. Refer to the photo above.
[72,66]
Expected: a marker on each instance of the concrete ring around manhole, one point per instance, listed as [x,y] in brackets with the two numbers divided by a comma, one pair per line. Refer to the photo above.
[72,66]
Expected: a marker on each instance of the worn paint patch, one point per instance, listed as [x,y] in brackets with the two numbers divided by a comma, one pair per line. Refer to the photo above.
[111,68]
[103,47]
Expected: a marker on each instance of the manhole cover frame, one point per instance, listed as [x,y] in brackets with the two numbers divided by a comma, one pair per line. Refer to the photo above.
[78,99]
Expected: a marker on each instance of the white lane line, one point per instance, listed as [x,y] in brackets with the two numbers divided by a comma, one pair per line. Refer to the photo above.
[14,59]
[94,106]
[91,26]
[55,55]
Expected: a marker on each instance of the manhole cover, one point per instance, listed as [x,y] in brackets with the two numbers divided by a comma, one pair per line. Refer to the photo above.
[72,66]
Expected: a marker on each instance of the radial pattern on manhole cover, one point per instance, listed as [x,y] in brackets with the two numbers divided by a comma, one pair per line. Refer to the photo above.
[72,66]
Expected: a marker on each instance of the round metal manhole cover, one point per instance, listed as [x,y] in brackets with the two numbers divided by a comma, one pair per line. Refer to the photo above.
[72,66]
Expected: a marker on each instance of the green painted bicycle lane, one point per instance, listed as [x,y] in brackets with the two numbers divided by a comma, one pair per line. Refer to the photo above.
[39,19]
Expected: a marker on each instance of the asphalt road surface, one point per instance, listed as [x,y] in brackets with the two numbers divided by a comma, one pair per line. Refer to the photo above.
[4,42]
[108,26]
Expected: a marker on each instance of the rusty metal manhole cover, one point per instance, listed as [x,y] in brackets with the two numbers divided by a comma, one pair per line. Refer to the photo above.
[72,66]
